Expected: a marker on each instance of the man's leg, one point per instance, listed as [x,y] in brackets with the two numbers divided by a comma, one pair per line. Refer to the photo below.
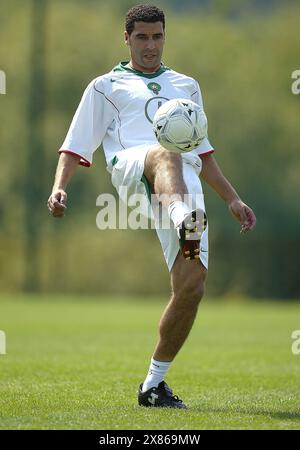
[187,282]
[163,169]
[164,172]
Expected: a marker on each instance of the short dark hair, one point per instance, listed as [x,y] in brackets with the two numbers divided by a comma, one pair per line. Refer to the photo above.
[143,13]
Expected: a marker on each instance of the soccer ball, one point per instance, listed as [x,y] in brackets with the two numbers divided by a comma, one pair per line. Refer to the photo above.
[180,125]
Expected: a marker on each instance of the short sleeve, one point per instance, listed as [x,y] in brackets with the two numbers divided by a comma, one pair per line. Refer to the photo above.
[89,125]
[205,147]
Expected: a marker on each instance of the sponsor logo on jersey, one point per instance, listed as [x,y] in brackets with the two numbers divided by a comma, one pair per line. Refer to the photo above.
[116,79]
[152,106]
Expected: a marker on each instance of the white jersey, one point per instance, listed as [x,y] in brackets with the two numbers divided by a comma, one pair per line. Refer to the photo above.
[117,110]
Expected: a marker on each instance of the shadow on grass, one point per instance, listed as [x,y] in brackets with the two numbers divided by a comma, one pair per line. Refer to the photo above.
[259,412]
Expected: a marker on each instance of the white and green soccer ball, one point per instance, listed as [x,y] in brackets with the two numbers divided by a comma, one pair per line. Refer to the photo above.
[180,125]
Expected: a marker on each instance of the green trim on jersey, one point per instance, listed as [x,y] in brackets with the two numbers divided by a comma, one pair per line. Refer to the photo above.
[144,179]
[114,160]
[121,68]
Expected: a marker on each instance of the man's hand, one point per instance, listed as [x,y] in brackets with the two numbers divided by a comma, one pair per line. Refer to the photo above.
[243,214]
[66,167]
[57,203]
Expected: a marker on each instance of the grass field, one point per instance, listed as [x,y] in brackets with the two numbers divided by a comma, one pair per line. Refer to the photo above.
[77,364]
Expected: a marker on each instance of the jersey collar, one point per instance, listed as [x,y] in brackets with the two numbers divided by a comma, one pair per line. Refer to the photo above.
[121,68]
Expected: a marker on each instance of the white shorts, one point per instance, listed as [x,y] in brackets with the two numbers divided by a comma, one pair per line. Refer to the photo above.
[127,169]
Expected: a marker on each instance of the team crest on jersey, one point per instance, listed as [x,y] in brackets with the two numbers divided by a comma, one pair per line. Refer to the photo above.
[154,87]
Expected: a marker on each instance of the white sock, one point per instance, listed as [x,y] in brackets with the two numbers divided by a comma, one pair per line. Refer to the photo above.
[156,373]
[177,211]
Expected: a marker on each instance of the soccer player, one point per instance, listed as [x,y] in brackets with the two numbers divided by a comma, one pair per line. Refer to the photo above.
[117,110]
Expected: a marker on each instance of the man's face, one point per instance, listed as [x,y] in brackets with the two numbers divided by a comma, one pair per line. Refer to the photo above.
[146,44]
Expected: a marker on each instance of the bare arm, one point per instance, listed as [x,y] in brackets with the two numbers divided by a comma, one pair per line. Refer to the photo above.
[66,167]
[212,174]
